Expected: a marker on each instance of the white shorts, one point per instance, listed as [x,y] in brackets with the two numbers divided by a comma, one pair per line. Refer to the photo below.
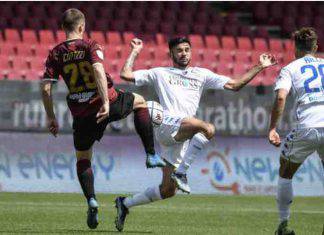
[299,144]
[171,150]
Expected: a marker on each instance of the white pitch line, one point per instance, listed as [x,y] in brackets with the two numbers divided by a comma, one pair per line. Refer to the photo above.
[158,208]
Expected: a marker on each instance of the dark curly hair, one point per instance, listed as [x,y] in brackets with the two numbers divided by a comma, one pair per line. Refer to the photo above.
[176,41]
[305,39]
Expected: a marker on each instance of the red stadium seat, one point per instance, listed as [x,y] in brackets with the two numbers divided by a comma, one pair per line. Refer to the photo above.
[262,32]
[288,57]
[4,65]
[212,42]
[224,69]
[225,56]
[37,63]
[289,45]
[196,41]
[24,50]
[244,43]
[32,75]
[29,36]
[146,54]
[161,53]
[112,53]
[228,42]
[260,44]
[276,45]
[7,49]
[128,37]
[98,36]
[13,74]
[60,36]
[210,55]
[46,37]
[239,70]
[151,27]
[242,56]
[255,57]
[42,51]
[114,38]
[12,35]
[19,63]
[270,76]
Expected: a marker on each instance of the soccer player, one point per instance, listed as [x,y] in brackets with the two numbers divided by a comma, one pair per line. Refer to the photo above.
[305,77]
[181,135]
[92,100]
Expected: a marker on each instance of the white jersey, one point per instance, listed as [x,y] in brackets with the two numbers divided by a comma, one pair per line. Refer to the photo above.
[179,90]
[306,78]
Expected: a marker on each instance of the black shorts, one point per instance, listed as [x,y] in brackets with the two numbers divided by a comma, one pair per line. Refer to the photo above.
[86,130]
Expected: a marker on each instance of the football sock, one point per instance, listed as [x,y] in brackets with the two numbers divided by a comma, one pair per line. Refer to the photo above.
[86,178]
[284,198]
[144,129]
[151,194]
[197,143]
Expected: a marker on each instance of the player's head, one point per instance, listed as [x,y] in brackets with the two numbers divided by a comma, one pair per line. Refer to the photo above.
[305,41]
[73,21]
[180,51]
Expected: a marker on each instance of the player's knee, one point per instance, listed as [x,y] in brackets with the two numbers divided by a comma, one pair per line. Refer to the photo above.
[209,130]
[139,101]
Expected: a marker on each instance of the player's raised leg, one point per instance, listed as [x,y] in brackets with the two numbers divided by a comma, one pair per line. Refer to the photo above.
[199,133]
[166,190]
[86,179]
[144,129]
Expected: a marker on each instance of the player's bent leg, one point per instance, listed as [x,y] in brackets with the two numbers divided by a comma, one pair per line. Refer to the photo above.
[144,129]
[191,126]
[86,179]
[199,132]
[166,190]
[285,194]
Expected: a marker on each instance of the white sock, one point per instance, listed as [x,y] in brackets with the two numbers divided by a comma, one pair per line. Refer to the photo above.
[284,198]
[151,194]
[196,145]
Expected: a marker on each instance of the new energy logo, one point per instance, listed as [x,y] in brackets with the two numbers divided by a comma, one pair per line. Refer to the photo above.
[220,172]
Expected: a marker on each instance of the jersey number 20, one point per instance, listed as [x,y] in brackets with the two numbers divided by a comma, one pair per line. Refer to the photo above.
[316,71]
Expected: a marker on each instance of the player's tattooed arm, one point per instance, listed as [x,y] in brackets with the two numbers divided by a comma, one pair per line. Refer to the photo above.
[266,60]
[46,90]
[127,70]
[277,110]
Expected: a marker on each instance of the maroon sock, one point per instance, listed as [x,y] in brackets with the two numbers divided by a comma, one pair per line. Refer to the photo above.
[144,129]
[86,178]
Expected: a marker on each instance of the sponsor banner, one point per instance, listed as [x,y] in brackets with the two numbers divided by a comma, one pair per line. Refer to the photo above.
[243,113]
[230,165]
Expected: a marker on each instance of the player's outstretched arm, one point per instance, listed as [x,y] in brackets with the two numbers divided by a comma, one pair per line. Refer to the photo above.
[102,86]
[46,89]
[277,110]
[266,60]
[127,71]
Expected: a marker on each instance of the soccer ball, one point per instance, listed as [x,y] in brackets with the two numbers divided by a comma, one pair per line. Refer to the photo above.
[156,112]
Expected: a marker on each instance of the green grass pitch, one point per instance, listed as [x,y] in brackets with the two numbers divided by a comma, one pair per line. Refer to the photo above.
[43,213]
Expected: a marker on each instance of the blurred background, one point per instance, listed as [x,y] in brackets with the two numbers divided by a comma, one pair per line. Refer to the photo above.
[227,38]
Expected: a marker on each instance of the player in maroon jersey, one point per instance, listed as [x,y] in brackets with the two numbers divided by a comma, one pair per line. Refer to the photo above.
[92,100]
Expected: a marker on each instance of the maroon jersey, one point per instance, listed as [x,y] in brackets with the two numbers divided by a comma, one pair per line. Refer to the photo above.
[73,60]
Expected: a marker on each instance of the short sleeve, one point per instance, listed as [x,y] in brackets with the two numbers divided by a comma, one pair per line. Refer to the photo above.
[51,71]
[144,77]
[96,53]
[283,81]
[215,81]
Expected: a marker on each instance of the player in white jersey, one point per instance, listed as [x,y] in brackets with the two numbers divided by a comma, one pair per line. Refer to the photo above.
[305,77]
[181,135]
